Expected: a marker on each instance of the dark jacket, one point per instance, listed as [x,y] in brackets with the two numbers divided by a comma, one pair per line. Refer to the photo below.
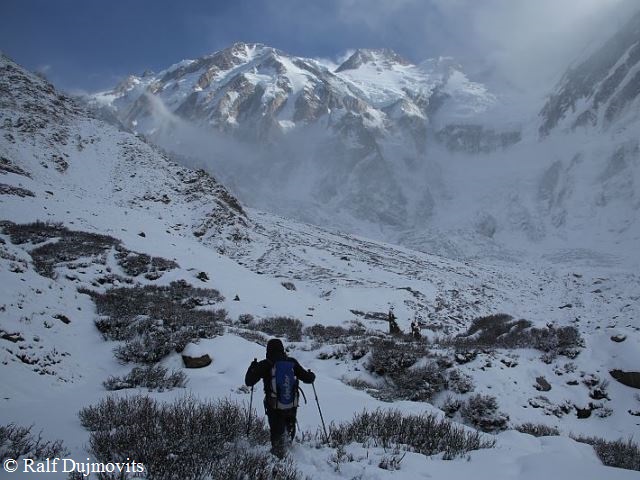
[262,369]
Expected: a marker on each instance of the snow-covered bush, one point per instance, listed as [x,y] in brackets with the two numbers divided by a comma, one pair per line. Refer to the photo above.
[184,439]
[538,429]
[418,384]
[392,358]
[451,406]
[152,377]
[245,318]
[502,331]
[71,245]
[19,442]
[332,333]
[460,382]
[154,321]
[288,327]
[618,453]
[481,411]
[426,433]
[135,264]
[397,362]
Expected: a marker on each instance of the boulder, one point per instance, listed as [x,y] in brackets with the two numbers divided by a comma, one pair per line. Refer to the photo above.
[196,362]
[630,379]
[195,356]
[542,385]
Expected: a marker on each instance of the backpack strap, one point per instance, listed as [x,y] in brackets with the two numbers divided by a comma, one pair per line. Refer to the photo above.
[302,392]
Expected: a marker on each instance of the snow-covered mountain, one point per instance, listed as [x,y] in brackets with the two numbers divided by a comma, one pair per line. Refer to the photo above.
[412,154]
[346,144]
[116,212]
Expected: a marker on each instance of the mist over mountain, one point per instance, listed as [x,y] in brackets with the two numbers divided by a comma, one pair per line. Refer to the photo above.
[416,154]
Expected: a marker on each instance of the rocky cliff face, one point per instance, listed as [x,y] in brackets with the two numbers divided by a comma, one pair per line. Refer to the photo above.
[600,91]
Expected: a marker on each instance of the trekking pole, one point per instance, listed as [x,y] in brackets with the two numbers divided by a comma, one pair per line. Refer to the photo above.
[255,360]
[324,428]
[250,412]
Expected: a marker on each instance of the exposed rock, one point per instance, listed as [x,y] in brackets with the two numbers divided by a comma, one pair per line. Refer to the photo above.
[196,362]
[542,385]
[583,412]
[630,379]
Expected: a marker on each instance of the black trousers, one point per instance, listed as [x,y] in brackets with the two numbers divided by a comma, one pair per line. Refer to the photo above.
[282,424]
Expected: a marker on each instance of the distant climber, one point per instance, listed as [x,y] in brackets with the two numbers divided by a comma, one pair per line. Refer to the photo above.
[415,329]
[394,329]
[280,375]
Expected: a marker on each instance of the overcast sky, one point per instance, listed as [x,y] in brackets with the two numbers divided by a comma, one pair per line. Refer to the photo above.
[90,45]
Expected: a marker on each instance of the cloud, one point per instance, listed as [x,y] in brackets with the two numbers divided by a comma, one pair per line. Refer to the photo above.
[525,43]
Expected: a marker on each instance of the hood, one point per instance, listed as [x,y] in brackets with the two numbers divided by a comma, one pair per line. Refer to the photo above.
[275,349]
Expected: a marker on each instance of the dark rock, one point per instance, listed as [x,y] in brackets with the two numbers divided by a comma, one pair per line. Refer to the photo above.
[542,385]
[196,362]
[583,412]
[12,337]
[465,357]
[618,338]
[236,298]
[630,379]
[142,234]
[568,305]
[63,318]
[202,276]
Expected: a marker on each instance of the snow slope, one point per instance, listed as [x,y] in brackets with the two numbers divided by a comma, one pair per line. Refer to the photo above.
[59,165]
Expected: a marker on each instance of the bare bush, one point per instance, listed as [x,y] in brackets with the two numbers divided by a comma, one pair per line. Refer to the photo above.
[333,333]
[185,439]
[397,362]
[135,264]
[460,382]
[152,377]
[153,321]
[451,406]
[618,453]
[481,411]
[538,429]
[502,331]
[390,358]
[19,442]
[288,327]
[426,433]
